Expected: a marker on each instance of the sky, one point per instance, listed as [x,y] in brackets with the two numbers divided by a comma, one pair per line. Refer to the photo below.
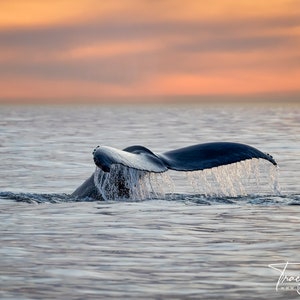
[66,51]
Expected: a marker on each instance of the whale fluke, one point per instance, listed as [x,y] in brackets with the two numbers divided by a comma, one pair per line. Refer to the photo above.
[192,158]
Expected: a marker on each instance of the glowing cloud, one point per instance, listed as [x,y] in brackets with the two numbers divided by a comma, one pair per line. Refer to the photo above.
[107,50]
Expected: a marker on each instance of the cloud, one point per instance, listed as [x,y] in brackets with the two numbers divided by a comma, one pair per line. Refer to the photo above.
[117,70]
[60,36]
[122,52]
[237,44]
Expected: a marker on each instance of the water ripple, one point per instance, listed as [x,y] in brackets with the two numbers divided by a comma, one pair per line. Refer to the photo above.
[192,199]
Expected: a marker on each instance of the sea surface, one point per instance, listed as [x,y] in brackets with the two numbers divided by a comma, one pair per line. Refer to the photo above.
[221,237]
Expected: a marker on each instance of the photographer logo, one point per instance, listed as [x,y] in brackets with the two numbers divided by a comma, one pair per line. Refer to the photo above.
[288,276]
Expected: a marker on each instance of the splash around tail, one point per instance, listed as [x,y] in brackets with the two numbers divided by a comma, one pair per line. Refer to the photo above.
[240,179]
[137,173]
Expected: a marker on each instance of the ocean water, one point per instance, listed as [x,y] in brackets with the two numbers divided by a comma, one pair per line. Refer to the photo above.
[201,236]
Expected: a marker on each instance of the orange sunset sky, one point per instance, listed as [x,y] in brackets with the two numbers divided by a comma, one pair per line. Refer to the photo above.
[143,50]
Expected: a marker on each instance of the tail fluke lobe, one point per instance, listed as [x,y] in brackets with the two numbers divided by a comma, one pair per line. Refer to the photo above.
[211,155]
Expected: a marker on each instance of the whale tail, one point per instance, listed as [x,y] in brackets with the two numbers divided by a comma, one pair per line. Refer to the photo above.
[117,168]
[192,158]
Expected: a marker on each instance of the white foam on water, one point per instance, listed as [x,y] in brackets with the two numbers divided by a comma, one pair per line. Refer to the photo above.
[243,178]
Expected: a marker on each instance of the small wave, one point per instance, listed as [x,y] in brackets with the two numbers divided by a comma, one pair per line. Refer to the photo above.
[35,198]
[193,199]
[252,199]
